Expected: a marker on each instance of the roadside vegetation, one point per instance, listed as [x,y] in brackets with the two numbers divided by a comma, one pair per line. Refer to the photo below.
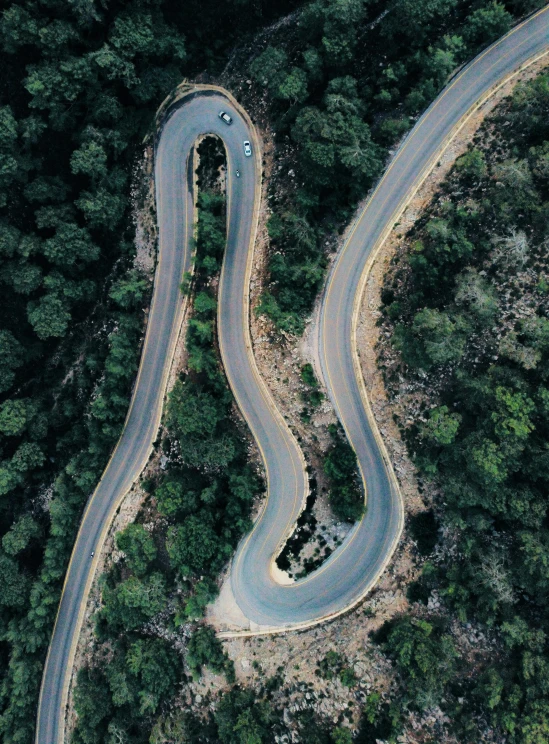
[467,305]
[344,84]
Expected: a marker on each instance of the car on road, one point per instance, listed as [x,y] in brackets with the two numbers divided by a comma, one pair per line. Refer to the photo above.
[224,116]
[247,149]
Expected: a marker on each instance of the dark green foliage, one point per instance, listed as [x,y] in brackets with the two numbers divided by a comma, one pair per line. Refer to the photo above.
[330,665]
[432,339]
[340,466]
[195,417]
[193,545]
[148,677]
[210,240]
[486,440]
[14,587]
[240,717]
[311,729]
[334,665]
[424,530]
[138,680]
[205,591]
[139,547]
[342,735]
[11,357]
[21,533]
[425,657]
[312,396]
[297,268]
[205,649]
[308,376]
[132,602]
[345,86]
[93,704]
[179,494]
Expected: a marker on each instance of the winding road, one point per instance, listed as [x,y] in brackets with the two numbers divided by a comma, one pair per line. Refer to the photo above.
[352,570]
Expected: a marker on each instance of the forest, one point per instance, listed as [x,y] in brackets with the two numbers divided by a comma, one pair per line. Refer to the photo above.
[81,82]
[468,308]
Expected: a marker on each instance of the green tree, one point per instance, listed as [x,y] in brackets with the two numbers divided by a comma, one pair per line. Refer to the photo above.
[138,546]
[193,546]
[14,585]
[20,534]
[69,245]
[157,668]
[473,164]
[102,209]
[425,659]
[13,417]
[90,159]
[341,736]
[178,494]
[340,465]
[49,316]
[442,426]
[243,719]
[433,338]
[486,24]
[11,358]
[93,705]
[270,69]
[134,601]
[336,143]
[205,592]
[205,649]
[337,23]
[129,291]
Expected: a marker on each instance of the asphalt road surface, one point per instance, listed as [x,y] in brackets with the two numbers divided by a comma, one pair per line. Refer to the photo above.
[351,570]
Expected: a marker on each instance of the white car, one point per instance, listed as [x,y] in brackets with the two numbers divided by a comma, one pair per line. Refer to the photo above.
[247,149]
[224,116]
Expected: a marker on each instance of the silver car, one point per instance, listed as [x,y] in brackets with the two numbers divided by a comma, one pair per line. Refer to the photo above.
[224,116]
[247,149]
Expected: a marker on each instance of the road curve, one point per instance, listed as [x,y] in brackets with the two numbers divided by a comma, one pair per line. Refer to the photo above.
[349,572]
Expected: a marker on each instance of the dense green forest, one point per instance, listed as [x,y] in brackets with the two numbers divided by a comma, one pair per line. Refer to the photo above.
[344,84]
[469,308]
[81,81]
